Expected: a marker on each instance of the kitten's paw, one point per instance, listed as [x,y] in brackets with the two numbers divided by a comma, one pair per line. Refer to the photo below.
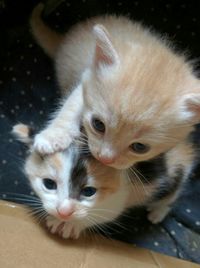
[49,142]
[54,225]
[71,230]
[157,214]
[63,229]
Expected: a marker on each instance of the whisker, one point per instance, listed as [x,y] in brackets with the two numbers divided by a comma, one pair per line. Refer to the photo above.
[24,201]
[20,195]
[41,219]
[113,221]
[100,216]
[136,175]
[134,186]
[102,209]
[83,139]
[78,142]
[100,227]
[139,173]
[36,212]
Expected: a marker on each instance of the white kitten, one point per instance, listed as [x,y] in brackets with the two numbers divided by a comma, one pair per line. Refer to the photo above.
[78,192]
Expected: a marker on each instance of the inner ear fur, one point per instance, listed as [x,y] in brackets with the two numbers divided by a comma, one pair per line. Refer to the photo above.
[105,53]
[23,133]
[190,107]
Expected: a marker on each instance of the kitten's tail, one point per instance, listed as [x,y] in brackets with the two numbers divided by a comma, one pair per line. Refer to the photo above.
[46,38]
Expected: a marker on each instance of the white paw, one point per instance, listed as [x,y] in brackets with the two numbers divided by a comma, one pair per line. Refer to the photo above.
[71,230]
[157,214]
[64,229]
[54,225]
[49,142]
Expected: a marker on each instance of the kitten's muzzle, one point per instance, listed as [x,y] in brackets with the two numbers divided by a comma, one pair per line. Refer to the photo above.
[106,160]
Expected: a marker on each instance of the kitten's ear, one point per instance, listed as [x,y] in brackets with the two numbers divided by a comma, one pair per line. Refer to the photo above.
[190,108]
[23,133]
[105,53]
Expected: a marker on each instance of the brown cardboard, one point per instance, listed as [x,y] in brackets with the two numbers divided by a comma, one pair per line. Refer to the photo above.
[24,243]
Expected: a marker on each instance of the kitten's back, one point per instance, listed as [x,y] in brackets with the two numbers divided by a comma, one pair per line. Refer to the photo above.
[76,48]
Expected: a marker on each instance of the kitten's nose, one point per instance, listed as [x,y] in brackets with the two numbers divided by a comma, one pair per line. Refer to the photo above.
[65,212]
[106,160]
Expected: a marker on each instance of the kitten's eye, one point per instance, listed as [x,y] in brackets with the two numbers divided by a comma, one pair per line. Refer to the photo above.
[98,125]
[139,148]
[88,191]
[50,184]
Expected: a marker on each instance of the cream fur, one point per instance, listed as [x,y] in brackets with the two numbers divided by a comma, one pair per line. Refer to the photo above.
[129,78]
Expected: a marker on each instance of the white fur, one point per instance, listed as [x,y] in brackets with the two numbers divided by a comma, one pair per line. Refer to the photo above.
[88,212]
[123,189]
[58,136]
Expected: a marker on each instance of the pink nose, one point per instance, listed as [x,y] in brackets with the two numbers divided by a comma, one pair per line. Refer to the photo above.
[65,213]
[106,160]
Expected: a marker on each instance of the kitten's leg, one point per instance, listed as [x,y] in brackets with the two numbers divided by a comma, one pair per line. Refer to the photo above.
[64,127]
[179,162]
[159,210]
[168,190]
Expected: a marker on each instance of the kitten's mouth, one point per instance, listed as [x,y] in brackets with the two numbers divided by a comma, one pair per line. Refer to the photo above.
[105,161]
[64,218]
[117,166]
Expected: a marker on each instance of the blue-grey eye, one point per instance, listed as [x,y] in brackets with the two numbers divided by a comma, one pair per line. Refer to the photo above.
[50,184]
[98,125]
[139,148]
[88,191]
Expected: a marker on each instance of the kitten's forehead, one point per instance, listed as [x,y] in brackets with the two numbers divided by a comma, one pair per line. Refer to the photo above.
[78,178]
[62,160]
[146,83]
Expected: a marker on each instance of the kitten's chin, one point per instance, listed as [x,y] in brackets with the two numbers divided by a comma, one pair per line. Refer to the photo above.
[120,167]
[117,166]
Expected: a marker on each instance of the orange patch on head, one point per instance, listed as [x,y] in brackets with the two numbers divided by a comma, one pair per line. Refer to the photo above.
[56,160]
[104,192]
[107,179]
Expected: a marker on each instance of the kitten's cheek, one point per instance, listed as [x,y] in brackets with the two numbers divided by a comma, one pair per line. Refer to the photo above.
[93,150]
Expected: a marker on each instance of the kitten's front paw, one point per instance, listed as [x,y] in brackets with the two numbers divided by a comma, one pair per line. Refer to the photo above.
[49,142]
[71,230]
[63,229]
[157,214]
[54,225]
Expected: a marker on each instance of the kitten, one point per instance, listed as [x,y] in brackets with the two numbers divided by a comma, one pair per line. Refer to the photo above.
[135,96]
[75,191]
[78,192]
[149,120]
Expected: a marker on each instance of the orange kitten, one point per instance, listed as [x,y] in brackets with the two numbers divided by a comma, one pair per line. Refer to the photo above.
[135,96]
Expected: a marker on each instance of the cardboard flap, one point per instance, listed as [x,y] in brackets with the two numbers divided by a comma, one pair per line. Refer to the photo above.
[24,243]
